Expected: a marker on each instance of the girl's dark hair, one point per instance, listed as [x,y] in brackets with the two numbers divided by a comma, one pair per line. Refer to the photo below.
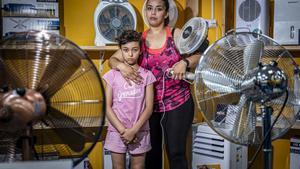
[129,36]
[167,5]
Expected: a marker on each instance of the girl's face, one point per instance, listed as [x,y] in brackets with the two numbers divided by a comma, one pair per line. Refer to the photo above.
[156,12]
[131,52]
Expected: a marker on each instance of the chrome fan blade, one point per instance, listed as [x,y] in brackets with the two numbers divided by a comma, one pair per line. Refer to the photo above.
[250,132]
[69,130]
[240,114]
[252,55]
[57,73]
[219,82]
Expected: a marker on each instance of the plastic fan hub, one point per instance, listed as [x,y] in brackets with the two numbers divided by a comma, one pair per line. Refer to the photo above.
[187,32]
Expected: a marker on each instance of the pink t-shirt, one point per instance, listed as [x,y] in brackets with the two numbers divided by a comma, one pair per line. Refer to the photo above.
[128,101]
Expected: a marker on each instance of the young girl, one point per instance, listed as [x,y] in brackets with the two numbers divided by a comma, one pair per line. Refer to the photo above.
[129,107]
[173,103]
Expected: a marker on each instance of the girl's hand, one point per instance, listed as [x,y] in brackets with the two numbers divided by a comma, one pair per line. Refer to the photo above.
[128,136]
[179,70]
[130,74]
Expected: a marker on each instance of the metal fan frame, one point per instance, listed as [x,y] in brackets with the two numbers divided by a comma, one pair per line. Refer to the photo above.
[83,55]
[200,67]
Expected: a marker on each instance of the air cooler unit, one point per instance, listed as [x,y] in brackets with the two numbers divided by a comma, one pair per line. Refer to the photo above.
[211,149]
[111,18]
[287,22]
[253,15]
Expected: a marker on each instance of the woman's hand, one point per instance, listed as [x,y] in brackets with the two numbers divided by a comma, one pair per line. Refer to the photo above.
[179,70]
[130,74]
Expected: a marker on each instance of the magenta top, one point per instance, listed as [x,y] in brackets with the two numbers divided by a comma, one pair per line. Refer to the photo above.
[169,93]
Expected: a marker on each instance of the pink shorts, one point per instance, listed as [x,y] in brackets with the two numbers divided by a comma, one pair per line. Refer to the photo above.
[114,143]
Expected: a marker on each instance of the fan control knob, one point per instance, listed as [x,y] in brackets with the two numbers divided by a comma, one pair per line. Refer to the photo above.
[21,91]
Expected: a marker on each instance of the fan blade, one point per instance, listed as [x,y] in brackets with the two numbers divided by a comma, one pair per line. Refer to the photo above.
[240,117]
[219,82]
[66,128]
[250,131]
[57,73]
[252,55]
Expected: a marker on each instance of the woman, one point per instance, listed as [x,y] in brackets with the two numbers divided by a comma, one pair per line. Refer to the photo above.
[173,103]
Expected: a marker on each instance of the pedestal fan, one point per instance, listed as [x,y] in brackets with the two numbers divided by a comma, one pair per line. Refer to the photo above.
[51,100]
[245,82]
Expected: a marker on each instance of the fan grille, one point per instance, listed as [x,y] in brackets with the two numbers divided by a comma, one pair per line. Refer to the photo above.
[220,83]
[193,35]
[113,20]
[70,85]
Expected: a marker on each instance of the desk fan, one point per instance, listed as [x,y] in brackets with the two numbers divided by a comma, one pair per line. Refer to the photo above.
[51,100]
[192,39]
[243,83]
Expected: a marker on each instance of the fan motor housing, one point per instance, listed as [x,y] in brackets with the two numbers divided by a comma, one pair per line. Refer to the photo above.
[271,80]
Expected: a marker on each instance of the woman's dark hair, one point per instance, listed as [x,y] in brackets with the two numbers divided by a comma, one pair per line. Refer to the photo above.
[167,5]
[129,36]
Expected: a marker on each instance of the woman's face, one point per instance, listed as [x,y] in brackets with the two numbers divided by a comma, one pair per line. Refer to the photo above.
[156,12]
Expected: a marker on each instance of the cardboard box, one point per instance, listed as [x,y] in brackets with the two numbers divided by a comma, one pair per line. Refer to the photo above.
[18,24]
[31,8]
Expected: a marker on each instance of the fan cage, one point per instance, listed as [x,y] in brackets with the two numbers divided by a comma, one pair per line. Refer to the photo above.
[219,77]
[71,86]
[113,20]
[197,36]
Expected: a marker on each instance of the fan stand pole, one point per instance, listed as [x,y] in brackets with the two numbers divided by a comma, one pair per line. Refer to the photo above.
[267,147]
[26,144]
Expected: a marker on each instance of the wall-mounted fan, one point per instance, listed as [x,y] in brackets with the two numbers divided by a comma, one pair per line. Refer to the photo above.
[51,100]
[244,83]
[173,13]
[111,18]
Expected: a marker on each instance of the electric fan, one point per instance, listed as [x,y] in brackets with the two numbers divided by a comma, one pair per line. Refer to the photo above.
[192,39]
[173,13]
[193,35]
[243,83]
[51,100]
[111,18]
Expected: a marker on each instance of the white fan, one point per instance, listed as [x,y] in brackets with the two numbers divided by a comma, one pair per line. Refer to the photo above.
[173,13]
[193,34]
[193,38]
[111,18]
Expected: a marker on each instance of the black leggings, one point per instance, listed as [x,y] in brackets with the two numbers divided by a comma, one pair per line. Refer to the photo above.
[176,125]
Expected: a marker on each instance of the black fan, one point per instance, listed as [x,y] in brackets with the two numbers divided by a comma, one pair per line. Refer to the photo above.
[52,99]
